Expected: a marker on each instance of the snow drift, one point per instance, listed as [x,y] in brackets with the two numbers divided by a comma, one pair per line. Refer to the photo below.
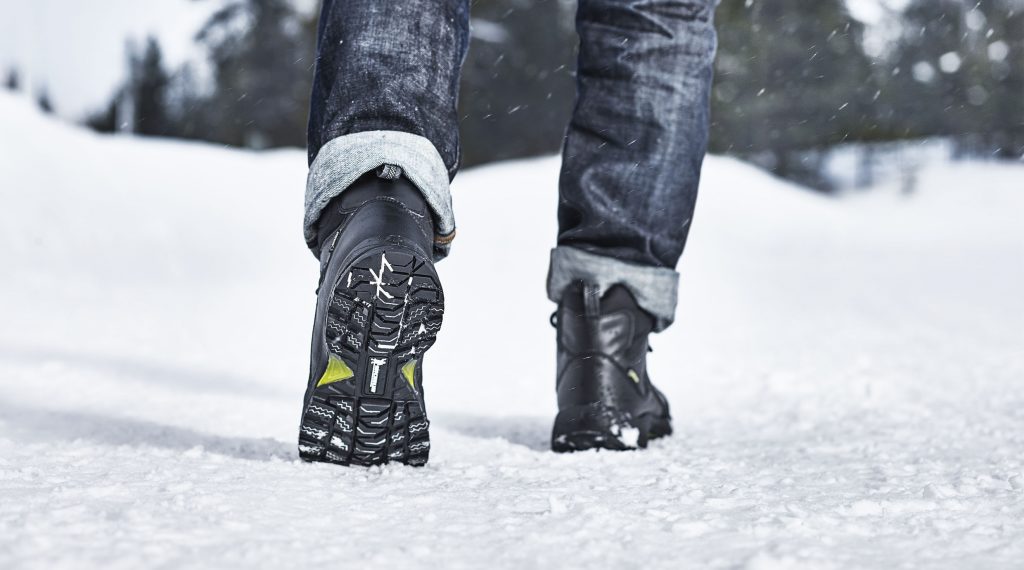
[847,376]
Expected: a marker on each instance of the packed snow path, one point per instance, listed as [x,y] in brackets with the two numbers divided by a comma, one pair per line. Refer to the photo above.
[847,376]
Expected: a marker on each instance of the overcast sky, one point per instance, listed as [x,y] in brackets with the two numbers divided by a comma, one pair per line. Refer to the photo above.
[77,47]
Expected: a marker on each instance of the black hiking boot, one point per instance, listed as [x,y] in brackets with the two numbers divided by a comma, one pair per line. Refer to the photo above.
[605,398]
[379,308]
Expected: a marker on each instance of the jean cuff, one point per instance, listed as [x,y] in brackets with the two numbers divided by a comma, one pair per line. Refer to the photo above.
[654,288]
[344,159]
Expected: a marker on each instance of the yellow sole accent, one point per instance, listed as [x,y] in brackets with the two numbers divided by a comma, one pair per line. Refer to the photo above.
[408,371]
[336,371]
[633,376]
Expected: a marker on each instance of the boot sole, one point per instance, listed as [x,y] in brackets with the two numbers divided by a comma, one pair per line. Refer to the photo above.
[580,428]
[385,311]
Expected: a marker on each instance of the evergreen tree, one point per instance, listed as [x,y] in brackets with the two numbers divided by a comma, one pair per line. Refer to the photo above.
[999,88]
[791,77]
[517,83]
[13,81]
[105,120]
[962,74]
[930,99]
[148,85]
[44,102]
[1011,73]
[263,73]
[190,109]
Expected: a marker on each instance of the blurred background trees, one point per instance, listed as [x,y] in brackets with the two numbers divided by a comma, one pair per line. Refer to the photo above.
[962,74]
[262,54]
[517,81]
[785,86]
[795,80]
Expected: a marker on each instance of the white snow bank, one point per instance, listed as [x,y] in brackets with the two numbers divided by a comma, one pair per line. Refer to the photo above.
[846,376]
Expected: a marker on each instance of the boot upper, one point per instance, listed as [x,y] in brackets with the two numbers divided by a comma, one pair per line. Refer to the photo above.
[602,352]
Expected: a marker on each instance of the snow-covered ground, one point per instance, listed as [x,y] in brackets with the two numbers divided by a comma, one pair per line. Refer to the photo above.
[847,376]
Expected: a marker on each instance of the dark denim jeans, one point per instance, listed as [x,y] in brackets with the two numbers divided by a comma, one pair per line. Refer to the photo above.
[386,89]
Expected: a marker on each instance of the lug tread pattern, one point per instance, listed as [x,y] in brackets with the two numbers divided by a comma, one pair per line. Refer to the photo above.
[387,305]
[365,431]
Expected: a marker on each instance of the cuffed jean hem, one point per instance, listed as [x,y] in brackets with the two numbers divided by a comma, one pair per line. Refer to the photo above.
[344,159]
[655,288]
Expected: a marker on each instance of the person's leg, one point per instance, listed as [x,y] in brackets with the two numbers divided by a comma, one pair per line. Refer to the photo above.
[630,170]
[385,92]
[383,146]
[633,151]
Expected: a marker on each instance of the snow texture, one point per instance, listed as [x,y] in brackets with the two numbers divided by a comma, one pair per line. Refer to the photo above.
[847,376]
